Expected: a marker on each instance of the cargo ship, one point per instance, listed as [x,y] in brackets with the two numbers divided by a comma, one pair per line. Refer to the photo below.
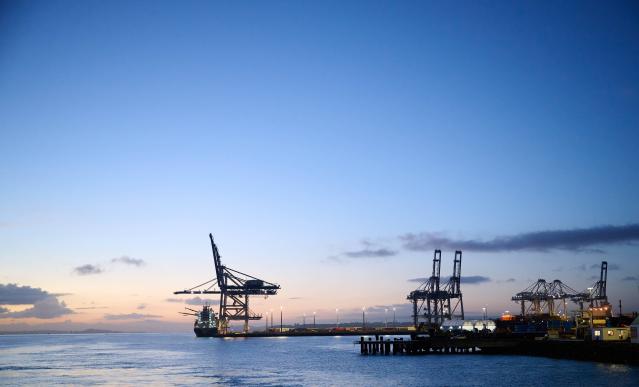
[205,324]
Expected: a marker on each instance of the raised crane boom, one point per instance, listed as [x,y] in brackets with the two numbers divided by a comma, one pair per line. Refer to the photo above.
[234,288]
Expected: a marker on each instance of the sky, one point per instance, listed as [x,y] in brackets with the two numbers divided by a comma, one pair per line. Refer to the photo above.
[329,147]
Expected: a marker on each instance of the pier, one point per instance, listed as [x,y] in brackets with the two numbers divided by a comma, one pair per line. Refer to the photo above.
[604,352]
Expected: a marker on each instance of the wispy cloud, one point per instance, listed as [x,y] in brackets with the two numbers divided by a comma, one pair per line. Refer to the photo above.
[509,280]
[199,301]
[129,316]
[630,278]
[578,239]
[611,266]
[370,253]
[88,269]
[129,261]
[141,306]
[44,305]
[369,250]
[474,279]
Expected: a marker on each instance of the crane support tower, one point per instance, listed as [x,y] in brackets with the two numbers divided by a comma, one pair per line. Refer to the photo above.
[234,288]
[435,302]
[547,298]
[595,296]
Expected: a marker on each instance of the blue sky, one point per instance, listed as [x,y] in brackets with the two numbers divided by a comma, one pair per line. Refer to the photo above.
[294,130]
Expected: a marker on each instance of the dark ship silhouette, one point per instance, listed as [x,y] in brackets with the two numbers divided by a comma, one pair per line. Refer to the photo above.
[205,324]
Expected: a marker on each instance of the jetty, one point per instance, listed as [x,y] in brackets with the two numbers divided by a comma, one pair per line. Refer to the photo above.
[604,352]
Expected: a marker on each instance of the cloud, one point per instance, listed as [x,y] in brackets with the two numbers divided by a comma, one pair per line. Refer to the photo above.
[579,239]
[630,278]
[371,253]
[129,316]
[44,304]
[50,307]
[418,279]
[176,300]
[611,266]
[199,301]
[12,294]
[509,280]
[369,250]
[141,306]
[474,280]
[296,298]
[129,261]
[88,269]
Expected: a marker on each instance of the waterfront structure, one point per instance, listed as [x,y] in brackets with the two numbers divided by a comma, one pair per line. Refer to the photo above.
[610,334]
[234,288]
[437,303]
[634,331]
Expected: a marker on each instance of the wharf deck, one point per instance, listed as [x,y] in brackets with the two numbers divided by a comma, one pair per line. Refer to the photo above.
[605,352]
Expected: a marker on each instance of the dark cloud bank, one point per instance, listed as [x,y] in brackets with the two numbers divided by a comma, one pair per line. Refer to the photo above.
[45,305]
[579,239]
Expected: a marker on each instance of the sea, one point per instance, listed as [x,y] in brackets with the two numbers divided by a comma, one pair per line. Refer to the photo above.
[182,359]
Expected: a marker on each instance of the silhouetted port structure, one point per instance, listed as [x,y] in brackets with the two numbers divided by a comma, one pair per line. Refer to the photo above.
[596,296]
[545,297]
[234,288]
[435,302]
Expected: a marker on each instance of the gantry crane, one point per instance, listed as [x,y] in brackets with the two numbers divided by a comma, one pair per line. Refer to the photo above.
[438,299]
[542,297]
[234,288]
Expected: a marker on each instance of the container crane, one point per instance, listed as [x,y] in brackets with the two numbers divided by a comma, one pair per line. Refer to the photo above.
[234,288]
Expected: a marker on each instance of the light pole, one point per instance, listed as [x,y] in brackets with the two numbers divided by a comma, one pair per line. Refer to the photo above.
[266,322]
[386,318]
[304,326]
[336,318]
[281,314]
[271,318]
[394,320]
[363,318]
[314,320]
[484,312]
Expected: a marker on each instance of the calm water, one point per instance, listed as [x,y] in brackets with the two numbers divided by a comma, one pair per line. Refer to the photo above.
[161,359]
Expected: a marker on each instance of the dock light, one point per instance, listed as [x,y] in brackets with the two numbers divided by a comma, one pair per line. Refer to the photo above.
[484,310]
[314,320]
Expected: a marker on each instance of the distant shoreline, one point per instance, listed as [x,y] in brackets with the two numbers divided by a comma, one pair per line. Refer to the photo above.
[56,332]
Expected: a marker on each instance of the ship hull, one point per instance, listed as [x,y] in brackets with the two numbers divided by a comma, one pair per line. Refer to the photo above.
[205,332]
